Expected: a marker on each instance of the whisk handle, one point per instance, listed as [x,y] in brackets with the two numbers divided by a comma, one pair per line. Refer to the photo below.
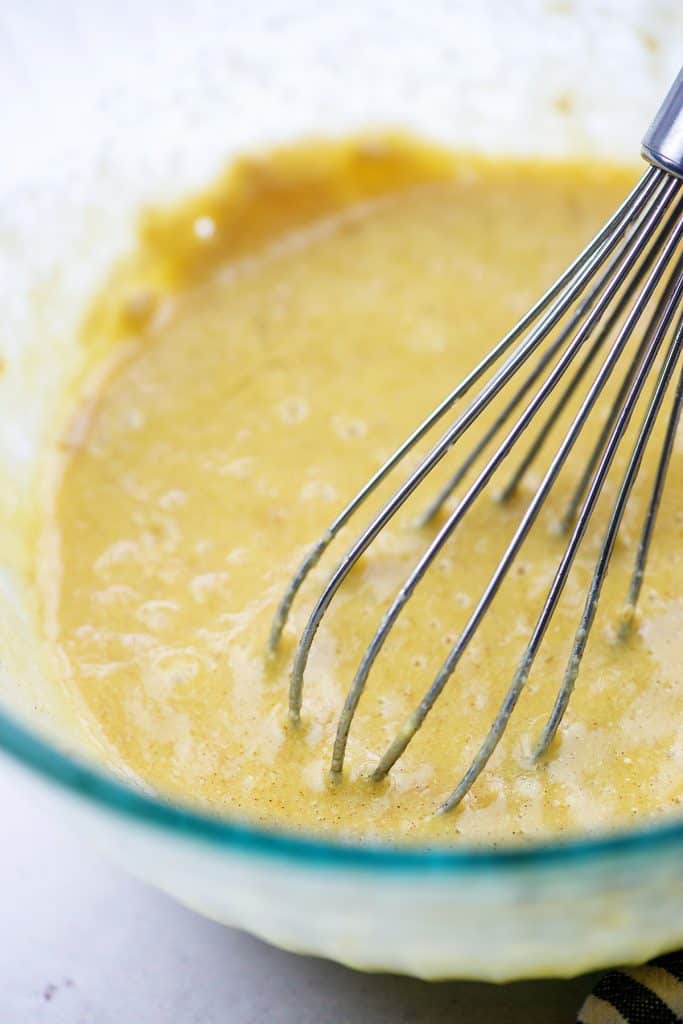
[663,141]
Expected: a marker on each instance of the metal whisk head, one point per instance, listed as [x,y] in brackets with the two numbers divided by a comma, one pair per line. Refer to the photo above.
[627,283]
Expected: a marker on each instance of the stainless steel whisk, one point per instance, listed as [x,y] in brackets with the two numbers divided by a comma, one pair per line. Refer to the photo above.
[634,268]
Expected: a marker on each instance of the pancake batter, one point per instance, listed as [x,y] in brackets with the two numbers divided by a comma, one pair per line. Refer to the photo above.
[275,339]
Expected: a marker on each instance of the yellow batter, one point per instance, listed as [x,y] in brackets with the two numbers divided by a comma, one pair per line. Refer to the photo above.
[277,338]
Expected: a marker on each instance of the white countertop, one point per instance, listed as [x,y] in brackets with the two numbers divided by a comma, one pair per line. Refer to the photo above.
[81,943]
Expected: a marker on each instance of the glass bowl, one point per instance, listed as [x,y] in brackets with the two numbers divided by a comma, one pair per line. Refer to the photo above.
[106,110]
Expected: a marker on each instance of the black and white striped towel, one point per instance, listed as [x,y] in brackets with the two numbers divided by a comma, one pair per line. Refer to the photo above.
[652,994]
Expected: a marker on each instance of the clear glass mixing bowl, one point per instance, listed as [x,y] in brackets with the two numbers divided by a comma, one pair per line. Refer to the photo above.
[105,109]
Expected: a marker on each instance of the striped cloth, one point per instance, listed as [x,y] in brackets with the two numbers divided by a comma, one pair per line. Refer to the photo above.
[652,994]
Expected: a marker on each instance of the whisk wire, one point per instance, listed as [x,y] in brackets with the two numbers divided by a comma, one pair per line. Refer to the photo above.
[590,257]
[629,257]
[579,313]
[662,190]
[592,461]
[644,358]
[593,596]
[653,508]
[620,269]
[542,435]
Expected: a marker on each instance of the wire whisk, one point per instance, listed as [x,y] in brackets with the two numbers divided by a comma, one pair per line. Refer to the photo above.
[626,284]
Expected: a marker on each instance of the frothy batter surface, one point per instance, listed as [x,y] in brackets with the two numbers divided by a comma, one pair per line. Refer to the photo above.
[300,321]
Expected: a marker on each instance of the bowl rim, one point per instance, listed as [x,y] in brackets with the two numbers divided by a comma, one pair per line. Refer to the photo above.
[238,836]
